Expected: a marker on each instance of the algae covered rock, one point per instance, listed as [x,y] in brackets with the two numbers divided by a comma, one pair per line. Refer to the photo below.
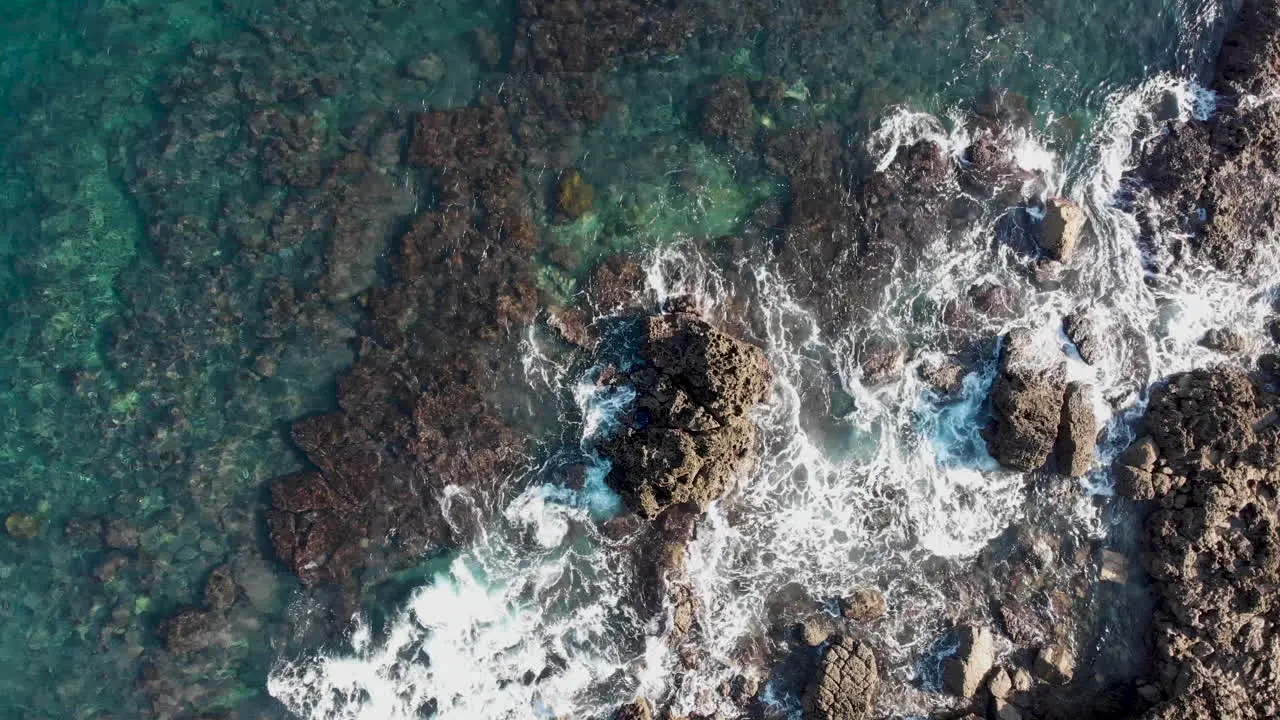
[22,526]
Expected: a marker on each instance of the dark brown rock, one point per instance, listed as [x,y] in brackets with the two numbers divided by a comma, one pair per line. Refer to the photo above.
[220,589]
[1078,434]
[864,604]
[728,113]
[689,435]
[1026,404]
[188,630]
[1224,340]
[1083,333]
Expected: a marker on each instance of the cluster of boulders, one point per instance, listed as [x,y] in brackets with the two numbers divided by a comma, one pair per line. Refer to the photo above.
[1038,418]
[1209,464]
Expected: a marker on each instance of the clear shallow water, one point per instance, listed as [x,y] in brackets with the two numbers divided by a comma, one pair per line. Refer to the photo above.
[859,485]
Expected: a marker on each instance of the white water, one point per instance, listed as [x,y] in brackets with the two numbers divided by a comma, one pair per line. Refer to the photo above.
[865,491]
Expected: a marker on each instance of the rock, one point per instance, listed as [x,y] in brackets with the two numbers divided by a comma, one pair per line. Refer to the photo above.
[882,361]
[488,47]
[688,435]
[187,631]
[816,630]
[1055,665]
[1026,405]
[846,683]
[120,535]
[1061,228]
[1004,710]
[1000,685]
[1224,340]
[1269,363]
[944,377]
[728,114]
[574,196]
[863,604]
[636,710]
[220,589]
[1022,680]
[429,67]
[963,674]
[1078,434]
[1115,568]
[571,324]
[111,567]
[21,526]
[1081,329]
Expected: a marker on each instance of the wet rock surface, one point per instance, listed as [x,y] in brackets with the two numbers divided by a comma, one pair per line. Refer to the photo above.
[1212,543]
[688,433]
[1078,435]
[1027,402]
[1214,178]
[846,683]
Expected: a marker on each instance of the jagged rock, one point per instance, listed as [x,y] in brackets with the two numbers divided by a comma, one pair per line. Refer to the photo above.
[963,674]
[1083,333]
[1224,340]
[944,377]
[1114,567]
[1055,665]
[1000,685]
[816,630]
[636,710]
[1022,680]
[882,361]
[1060,231]
[1004,710]
[220,589]
[863,604]
[1134,470]
[1026,404]
[688,434]
[111,567]
[846,683]
[1078,434]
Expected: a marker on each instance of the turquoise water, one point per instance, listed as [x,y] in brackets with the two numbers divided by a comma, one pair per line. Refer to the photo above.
[142,379]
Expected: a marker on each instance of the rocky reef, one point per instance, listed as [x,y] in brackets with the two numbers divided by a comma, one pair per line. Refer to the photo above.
[688,433]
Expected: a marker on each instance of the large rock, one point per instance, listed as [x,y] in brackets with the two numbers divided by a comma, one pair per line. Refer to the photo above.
[964,673]
[688,434]
[1083,333]
[1061,229]
[1078,434]
[846,683]
[1213,543]
[1026,404]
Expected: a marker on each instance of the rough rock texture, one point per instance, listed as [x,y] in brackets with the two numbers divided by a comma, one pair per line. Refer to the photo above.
[1078,434]
[637,710]
[1083,333]
[1213,543]
[1060,231]
[846,683]
[462,285]
[1224,340]
[1216,180]
[1026,404]
[863,604]
[964,673]
[1055,664]
[728,113]
[688,433]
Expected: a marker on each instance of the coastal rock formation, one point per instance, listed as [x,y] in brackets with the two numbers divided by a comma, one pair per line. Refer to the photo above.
[1026,404]
[687,434]
[1078,434]
[846,683]
[1061,229]
[1213,543]
[964,673]
[1215,179]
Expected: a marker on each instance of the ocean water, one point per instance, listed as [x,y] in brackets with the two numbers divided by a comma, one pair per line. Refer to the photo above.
[143,391]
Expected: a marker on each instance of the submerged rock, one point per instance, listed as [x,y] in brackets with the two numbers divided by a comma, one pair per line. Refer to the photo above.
[1061,229]
[21,526]
[189,629]
[689,434]
[1026,404]
[846,683]
[574,196]
[728,113]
